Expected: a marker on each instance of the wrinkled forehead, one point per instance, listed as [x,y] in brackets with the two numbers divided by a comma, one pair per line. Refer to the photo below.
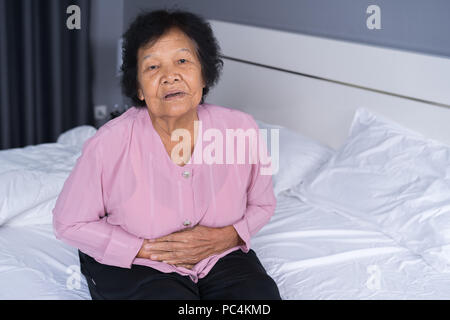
[173,39]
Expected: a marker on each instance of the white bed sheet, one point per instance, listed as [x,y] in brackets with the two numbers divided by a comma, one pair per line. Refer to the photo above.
[311,253]
[32,177]
[35,265]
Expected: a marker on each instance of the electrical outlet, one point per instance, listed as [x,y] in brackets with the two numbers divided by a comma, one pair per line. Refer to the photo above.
[100,112]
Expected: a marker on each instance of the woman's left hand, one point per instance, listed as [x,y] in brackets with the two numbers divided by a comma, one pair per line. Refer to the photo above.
[189,246]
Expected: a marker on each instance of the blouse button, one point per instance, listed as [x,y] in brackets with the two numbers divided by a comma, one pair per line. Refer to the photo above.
[186,222]
[186,174]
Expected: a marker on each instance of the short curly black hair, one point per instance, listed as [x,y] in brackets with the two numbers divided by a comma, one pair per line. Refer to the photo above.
[149,26]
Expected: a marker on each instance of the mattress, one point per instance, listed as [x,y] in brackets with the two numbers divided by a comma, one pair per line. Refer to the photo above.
[310,252]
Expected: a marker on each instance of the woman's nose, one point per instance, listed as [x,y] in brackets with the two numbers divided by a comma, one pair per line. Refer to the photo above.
[171,79]
[170,76]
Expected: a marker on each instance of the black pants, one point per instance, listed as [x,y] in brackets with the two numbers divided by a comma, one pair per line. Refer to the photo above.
[237,275]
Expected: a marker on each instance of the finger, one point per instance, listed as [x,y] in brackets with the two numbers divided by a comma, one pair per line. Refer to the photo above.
[166,246]
[165,256]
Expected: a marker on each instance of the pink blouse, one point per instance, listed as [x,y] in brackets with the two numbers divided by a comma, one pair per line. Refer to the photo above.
[125,188]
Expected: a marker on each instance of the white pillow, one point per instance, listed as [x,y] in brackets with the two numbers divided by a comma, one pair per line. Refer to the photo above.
[32,177]
[76,136]
[298,156]
[393,178]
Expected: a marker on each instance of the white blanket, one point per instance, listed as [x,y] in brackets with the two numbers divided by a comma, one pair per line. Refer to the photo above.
[313,253]
[310,253]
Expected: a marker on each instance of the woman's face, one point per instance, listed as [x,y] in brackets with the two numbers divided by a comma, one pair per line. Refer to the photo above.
[167,65]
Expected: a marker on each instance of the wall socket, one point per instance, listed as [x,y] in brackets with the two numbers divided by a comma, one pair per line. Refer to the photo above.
[100,112]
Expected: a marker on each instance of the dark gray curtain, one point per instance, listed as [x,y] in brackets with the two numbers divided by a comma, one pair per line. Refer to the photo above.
[45,71]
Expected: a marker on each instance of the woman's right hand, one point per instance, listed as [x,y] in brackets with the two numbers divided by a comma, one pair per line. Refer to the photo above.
[145,254]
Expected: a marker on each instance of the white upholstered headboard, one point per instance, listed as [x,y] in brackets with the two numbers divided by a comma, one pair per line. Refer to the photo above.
[313,85]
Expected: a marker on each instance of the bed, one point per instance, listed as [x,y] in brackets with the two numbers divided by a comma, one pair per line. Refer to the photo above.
[311,253]
[330,236]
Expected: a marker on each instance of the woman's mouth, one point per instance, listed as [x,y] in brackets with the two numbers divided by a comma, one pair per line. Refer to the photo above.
[174,96]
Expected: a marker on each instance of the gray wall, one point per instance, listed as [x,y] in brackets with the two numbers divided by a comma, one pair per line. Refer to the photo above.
[107,26]
[413,25]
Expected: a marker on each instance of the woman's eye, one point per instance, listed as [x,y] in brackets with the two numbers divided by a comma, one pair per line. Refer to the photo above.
[152,67]
[182,60]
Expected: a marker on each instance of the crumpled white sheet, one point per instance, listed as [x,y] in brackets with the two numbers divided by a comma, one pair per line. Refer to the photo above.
[311,253]
[314,253]
[34,265]
[32,177]
[393,178]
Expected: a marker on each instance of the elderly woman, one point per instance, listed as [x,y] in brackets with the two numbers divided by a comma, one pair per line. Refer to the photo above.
[149,221]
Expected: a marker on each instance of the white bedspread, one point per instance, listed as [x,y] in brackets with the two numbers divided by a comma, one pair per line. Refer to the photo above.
[310,253]
[315,254]
[35,265]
